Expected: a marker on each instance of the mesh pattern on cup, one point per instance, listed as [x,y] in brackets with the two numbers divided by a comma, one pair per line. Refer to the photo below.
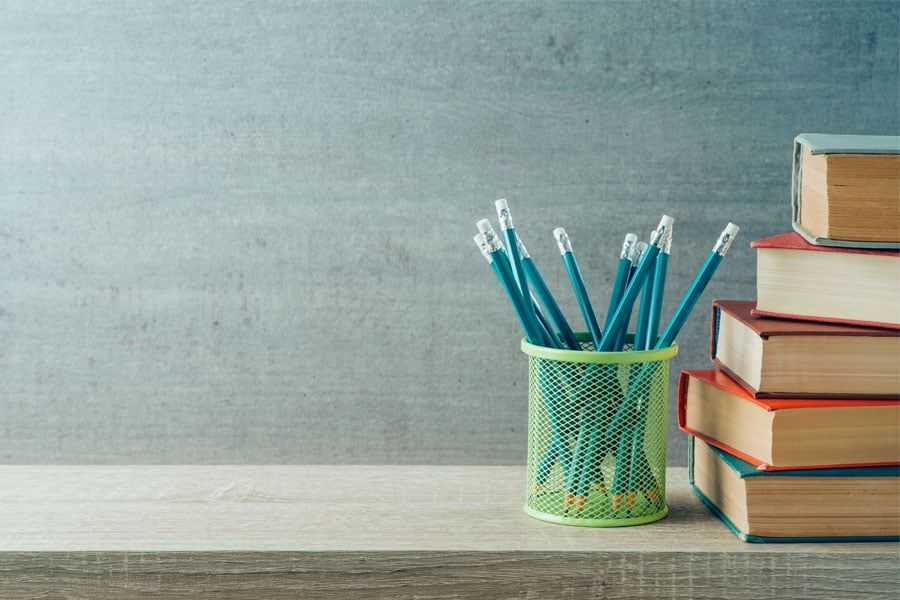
[596,438]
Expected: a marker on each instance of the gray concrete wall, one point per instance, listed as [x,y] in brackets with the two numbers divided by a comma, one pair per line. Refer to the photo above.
[241,232]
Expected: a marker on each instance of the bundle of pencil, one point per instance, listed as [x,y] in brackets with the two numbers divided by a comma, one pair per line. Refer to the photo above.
[641,271]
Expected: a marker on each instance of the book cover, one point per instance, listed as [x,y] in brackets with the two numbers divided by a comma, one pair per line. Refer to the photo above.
[744,311]
[724,382]
[744,469]
[820,143]
[793,241]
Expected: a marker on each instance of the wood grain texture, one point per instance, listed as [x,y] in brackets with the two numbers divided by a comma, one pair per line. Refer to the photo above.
[415,575]
[172,175]
[379,532]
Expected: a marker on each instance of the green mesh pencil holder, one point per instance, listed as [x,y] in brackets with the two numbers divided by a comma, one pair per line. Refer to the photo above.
[597,435]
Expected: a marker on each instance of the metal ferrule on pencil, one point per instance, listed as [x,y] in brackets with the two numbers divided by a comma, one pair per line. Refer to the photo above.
[726,239]
[637,253]
[662,231]
[667,247]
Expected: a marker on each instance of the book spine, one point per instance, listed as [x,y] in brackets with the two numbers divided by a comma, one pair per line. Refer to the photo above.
[714,331]
[796,173]
[681,404]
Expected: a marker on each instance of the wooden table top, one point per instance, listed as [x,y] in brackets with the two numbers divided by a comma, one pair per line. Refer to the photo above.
[440,525]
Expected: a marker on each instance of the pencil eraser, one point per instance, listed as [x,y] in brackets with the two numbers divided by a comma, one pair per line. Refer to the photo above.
[667,249]
[501,204]
[484,226]
[666,222]
[559,231]
[732,229]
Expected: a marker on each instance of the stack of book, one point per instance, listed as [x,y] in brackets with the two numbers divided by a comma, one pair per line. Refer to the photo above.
[796,433]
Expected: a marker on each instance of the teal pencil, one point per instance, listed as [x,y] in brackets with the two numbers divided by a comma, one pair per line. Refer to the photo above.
[659,288]
[639,249]
[512,249]
[623,269]
[550,338]
[644,308]
[577,281]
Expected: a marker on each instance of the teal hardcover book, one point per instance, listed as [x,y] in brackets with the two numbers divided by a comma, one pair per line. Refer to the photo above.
[814,505]
[851,203]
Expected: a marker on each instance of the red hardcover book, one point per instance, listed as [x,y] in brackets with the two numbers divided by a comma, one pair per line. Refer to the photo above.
[783,434]
[779,358]
[797,280]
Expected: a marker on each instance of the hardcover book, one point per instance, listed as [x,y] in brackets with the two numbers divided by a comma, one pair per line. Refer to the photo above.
[780,434]
[797,280]
[826,505]
[778,358]
[846,190]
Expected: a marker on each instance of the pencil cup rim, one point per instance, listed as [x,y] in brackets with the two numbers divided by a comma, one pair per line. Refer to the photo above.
[589,356]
